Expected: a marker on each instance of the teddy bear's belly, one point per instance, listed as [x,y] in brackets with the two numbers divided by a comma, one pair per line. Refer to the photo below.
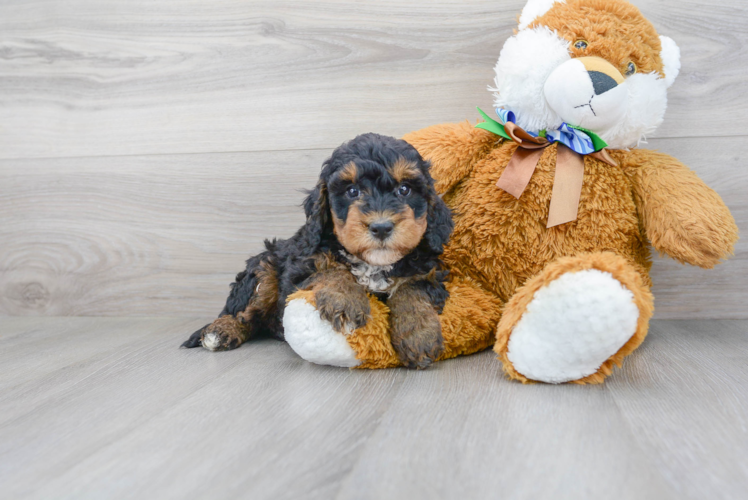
[501,241]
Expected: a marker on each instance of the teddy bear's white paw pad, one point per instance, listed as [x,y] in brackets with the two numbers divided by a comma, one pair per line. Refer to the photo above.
[572,326]
[314,338]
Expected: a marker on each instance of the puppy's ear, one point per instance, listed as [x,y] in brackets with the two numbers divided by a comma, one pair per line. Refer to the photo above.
[439,219]
[317,212]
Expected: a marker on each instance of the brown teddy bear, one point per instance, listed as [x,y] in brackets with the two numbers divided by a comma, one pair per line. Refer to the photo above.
[553,204]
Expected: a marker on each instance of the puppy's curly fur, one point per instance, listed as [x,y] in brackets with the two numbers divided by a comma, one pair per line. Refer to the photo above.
[374,225]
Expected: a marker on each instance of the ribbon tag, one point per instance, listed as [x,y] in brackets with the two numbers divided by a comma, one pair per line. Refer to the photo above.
[567,187]
[517,174]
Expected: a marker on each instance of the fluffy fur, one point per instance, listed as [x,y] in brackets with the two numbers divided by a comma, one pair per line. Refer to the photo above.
[526,61]
[374,224]
[670,55]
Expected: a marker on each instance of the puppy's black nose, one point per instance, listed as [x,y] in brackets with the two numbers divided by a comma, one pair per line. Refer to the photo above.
[381,229]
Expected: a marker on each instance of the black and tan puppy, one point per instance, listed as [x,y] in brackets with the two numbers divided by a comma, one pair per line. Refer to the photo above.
[374,225]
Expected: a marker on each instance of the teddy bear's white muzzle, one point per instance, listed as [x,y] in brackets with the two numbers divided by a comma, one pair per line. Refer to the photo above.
[586,97]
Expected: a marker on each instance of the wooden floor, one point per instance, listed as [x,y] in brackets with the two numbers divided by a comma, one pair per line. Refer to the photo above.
[94,408]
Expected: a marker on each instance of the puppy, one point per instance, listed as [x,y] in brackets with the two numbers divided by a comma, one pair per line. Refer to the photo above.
[374,224]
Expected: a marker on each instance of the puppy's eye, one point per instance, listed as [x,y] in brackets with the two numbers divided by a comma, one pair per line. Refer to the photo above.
[353,192]
[581,44]
[630,68]
[403,190]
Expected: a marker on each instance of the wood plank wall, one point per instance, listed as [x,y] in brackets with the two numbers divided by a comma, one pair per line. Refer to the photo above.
[148,146]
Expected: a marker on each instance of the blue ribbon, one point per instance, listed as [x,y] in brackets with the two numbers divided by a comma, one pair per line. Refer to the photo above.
[572,137]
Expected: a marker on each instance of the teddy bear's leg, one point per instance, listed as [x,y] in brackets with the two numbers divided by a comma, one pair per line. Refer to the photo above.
[574,320]
[314,338]
[468,324]
[469,318]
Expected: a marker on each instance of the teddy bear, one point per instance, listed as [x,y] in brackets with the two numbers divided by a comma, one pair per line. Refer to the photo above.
[554,205]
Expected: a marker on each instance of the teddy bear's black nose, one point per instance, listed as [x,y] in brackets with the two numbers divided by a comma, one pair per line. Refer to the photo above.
[601,82]
[381,230]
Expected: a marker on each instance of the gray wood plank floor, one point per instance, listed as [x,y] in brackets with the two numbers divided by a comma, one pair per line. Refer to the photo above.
[95,408]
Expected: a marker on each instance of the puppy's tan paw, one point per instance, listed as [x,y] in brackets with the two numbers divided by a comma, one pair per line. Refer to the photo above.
[345,312]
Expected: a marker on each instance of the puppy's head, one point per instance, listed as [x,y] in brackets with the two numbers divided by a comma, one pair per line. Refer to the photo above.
[381,200]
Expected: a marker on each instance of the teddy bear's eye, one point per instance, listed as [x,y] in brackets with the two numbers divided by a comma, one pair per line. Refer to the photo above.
[630,68]
[581,44]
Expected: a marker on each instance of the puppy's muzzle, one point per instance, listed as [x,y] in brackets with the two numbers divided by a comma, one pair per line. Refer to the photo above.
[381,229]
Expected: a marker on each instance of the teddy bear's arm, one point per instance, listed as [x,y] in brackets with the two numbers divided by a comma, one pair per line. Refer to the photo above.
[682,216]
[452,149]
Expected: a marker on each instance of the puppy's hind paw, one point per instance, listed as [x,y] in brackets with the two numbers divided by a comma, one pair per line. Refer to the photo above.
[216,340]
[223,334]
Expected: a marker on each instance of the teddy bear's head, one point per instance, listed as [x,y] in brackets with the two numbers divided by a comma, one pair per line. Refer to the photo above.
[595,64]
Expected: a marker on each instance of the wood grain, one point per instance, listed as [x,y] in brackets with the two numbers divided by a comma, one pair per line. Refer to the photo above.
[129,77]
[462,431]
[139,418]
[42,358]
[141,234]
[702,416]
[166,234]
[188,425]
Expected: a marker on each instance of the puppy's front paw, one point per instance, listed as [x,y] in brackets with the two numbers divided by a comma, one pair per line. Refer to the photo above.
[346,312]
[419,349]
[417,337]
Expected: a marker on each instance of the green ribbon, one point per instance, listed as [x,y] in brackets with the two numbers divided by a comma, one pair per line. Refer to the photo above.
[492,125]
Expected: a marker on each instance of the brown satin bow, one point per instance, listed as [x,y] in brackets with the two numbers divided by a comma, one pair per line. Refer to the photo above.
[567,181]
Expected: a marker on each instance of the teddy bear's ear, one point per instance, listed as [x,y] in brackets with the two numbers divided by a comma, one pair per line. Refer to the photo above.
[670,58]
[534,9]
